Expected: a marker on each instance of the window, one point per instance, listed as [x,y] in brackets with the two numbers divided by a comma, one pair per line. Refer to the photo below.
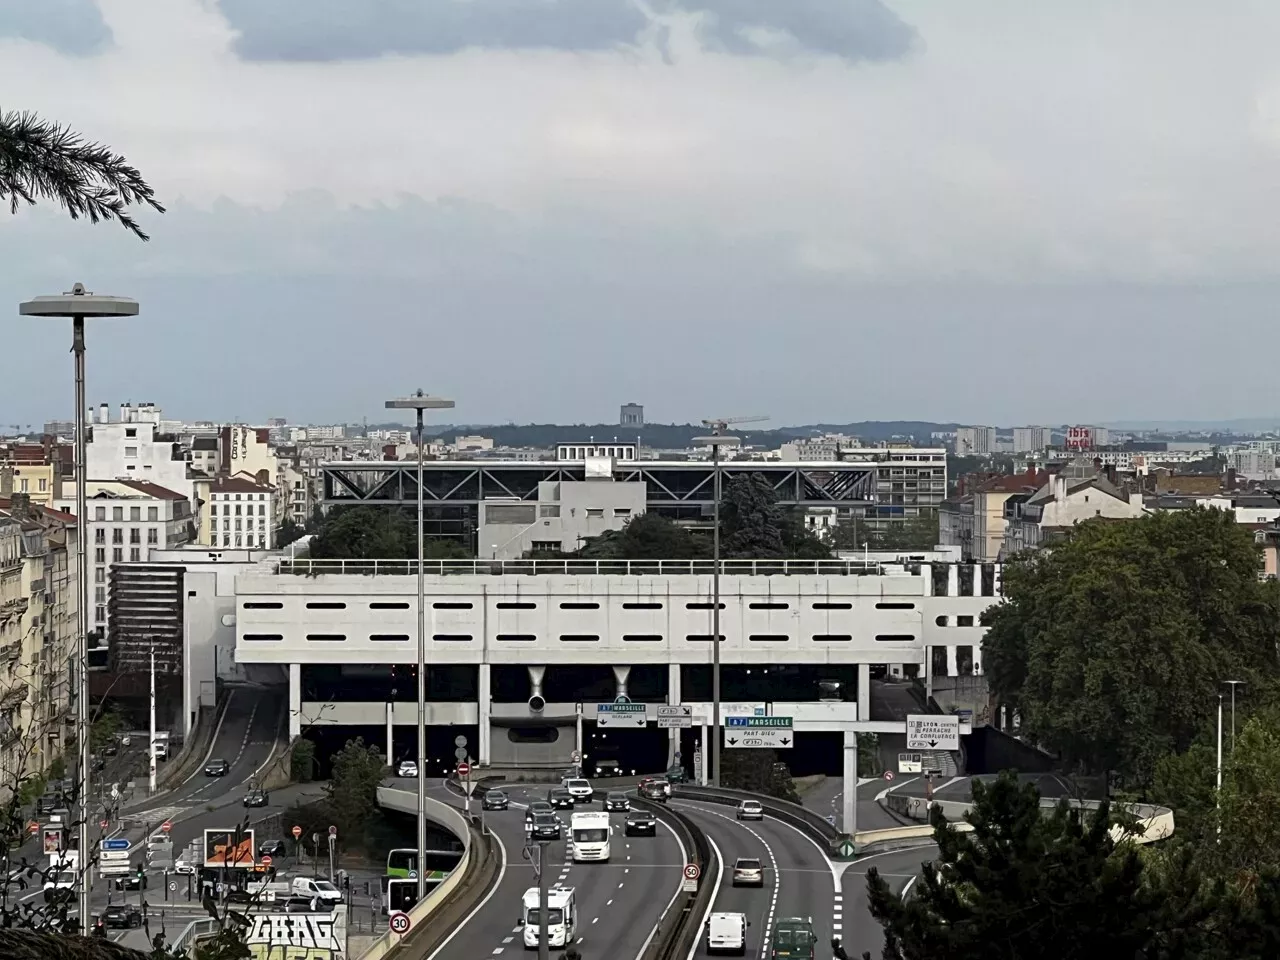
[516,605]
[130,432]
[152,536]
[642,637]
[450,605]
[262,541]
[117,554]
[226,539]
[237,523]
[100,513]
[117,513]
[832,606]
[262,637]
[544,546]
[326,605]
[131,453]
[100,575]
[451,637]
[767,606]
[578,637]
[153,514]
[702,637]
[117,535]
[642,606]
[99,594]
[101,616]
[262,509]
[135,514]
[517,637]
[327,637]
[213,509]
[238,541]
[964,621]
[262,605]
[389,637]
[44,484]
[248,522]
[135,535]
[388,605]
[237,508]
[702,606]
[894,638]
[619,512]
[832,637]
[595,513]
[573,605]
[100,535]
[135,554]
[895,606]
[100,555]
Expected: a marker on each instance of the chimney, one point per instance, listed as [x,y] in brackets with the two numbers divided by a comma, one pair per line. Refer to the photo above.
[104,414]
[6,479]
[1111,472]
[1060,488]
[20,506]
[1231,478]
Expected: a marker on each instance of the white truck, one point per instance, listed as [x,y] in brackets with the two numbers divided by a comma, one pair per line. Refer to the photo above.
[727,933]
[589,836]
[562,917]
[322,889]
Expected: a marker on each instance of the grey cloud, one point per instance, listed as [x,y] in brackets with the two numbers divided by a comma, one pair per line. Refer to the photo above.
[322,30]
[360,29]
[73,27]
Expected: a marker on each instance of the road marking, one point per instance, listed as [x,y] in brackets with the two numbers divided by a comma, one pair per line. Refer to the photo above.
[907,888]
[507,939]
[502,872]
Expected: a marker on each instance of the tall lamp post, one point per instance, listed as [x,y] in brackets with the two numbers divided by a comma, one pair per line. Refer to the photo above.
[715,442]
[419,402]
[80,304]
[1233,684]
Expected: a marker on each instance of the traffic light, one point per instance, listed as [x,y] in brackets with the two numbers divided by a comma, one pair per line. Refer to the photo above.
[142,876]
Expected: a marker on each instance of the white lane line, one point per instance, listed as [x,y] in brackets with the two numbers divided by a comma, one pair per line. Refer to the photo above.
[502,872]
[212,743]
[684,855]
[907,888]
[711,903]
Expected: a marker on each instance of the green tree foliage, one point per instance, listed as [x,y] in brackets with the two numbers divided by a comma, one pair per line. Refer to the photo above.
[751,520]
[351,794]
[646,537]
[758,771]
[288,532]
[1033,883]
[302,761]
[377,533]
[42,160]
[913,534]
[1113,644]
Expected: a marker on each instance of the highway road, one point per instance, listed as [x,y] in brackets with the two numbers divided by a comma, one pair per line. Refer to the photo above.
[619,902]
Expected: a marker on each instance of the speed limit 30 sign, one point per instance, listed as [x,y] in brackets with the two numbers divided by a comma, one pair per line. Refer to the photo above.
[399,923]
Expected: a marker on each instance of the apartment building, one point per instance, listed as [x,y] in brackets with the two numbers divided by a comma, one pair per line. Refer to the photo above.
[237,512]
[1031,439]
[38,559]
[975,441]
[36,469]
[127,519]
[135,447]
[1077,493]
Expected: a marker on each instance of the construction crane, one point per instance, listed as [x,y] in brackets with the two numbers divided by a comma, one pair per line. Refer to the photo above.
[718,425]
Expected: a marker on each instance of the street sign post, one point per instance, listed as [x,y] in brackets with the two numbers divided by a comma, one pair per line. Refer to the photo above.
[116,843]
[399,923]
[464,769]
[933,732]
[266,860]
[888,775]
[622,715]
[167,826]
[758,733]
[677,715]
[297,832]
[691,874]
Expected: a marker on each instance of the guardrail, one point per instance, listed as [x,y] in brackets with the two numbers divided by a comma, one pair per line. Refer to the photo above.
[1155,823]
[680,925]
[802,818]
[305,567]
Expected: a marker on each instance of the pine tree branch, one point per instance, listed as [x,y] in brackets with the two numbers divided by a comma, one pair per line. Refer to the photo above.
[42,160]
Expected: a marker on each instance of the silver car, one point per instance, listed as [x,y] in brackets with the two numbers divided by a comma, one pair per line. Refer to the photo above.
[750,810]
[748,872]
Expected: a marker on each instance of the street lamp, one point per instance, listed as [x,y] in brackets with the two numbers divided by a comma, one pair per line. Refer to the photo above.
[80,304]
[419,402]
[1233,684]
[715,442]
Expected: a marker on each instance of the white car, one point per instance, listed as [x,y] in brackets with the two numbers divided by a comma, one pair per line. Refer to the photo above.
[578,788]
[407,768]
[727,933]
[750,810]
[185,867]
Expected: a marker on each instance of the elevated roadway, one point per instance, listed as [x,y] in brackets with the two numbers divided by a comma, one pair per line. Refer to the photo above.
[619,902]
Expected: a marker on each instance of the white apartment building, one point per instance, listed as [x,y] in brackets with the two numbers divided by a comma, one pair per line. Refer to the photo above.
[127,520]
[1072,496]
[472,443]
[975,441]
[136,448]
[237,512]
[1031,439]
[817,449]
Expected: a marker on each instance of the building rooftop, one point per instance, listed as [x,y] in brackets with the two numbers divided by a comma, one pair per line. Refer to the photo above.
[153,490]
[237,485]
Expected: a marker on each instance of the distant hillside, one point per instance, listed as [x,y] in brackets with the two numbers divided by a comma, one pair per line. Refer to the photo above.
[667,436]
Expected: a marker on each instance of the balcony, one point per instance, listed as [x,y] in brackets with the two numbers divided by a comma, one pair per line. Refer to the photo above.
[13,608]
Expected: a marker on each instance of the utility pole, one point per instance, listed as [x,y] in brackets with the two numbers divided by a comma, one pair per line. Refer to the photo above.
[151,752]
[1218,800]
[1233,684]
[544,947]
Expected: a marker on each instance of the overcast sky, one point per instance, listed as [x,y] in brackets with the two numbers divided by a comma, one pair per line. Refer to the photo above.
[822,210]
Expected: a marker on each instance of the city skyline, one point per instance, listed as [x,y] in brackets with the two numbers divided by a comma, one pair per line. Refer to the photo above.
[892,194]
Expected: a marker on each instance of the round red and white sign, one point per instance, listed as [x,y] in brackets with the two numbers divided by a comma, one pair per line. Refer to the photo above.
[297,832]
[399,923]
[888,774]
[691,871]
[464,769]
[167,826]
[266,860]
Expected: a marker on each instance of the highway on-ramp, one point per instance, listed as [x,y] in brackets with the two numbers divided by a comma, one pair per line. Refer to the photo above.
[862,932]
[619,902]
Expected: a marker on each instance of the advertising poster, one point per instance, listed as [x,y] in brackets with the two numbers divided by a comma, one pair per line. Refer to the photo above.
[228,848]
[298,936]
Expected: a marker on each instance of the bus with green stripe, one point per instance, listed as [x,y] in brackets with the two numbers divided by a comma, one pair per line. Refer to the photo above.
[402,863]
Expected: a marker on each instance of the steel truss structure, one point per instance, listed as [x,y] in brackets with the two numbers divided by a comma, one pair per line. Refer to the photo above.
[453,489]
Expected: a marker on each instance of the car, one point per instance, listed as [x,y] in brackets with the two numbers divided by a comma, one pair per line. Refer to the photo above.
[256,797]
[560,798]
[184,867]
[750,810]
[46,803]
[121,917]
[537,807]
[110,750]
[658,790]
[407,768]
[640,822]
[748,872]
[302,905]
[274,848]
[547,827]
[677,774]
[217,768]
[727,933]
[131,882]
[617,801]
[579,789]
[494,800]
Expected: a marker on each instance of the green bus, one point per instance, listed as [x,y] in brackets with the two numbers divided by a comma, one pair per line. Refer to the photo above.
[403,861]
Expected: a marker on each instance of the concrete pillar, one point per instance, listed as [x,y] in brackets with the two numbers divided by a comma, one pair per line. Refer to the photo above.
[864,691]
[976,589]
[849,798]
[535,680]
[998,580]
[926,571]
[295,700]
[620,674]
[486,709]
[673,697]
[952,669]
[953,580]
[391,743]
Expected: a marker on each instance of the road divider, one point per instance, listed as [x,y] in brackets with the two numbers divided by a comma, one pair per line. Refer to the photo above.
[677,930]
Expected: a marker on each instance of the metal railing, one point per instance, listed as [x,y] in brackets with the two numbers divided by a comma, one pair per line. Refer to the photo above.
[802,818]
[580,568]
[679,927]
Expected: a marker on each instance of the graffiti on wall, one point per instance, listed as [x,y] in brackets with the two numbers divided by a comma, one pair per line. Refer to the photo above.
[297,936]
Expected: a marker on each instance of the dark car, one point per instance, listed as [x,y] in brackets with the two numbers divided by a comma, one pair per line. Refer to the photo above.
[47,803]
[677,775]
[494,800]
[537,807]
[131,882]
[120,916]
[110,750]
[617,801]
[658,790]
[547,827]
[217,768]
[560,798]
[256,797]
[277,848]
[640,822]
[303,905]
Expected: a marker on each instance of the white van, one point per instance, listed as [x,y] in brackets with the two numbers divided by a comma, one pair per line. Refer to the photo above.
[589,836]
[562,917]
[323,889]
[727,933]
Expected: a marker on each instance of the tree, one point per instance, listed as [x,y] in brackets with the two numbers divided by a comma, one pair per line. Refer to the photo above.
[647,536]
[758,771]
[288,532]
[42,160]
[377,533]
[1026,884]
[912,534]
[1113,644]
[751,520]
[352,791]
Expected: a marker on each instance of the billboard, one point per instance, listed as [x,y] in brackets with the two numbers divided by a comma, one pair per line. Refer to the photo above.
[1079,438]
[297,936]
[228,848]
